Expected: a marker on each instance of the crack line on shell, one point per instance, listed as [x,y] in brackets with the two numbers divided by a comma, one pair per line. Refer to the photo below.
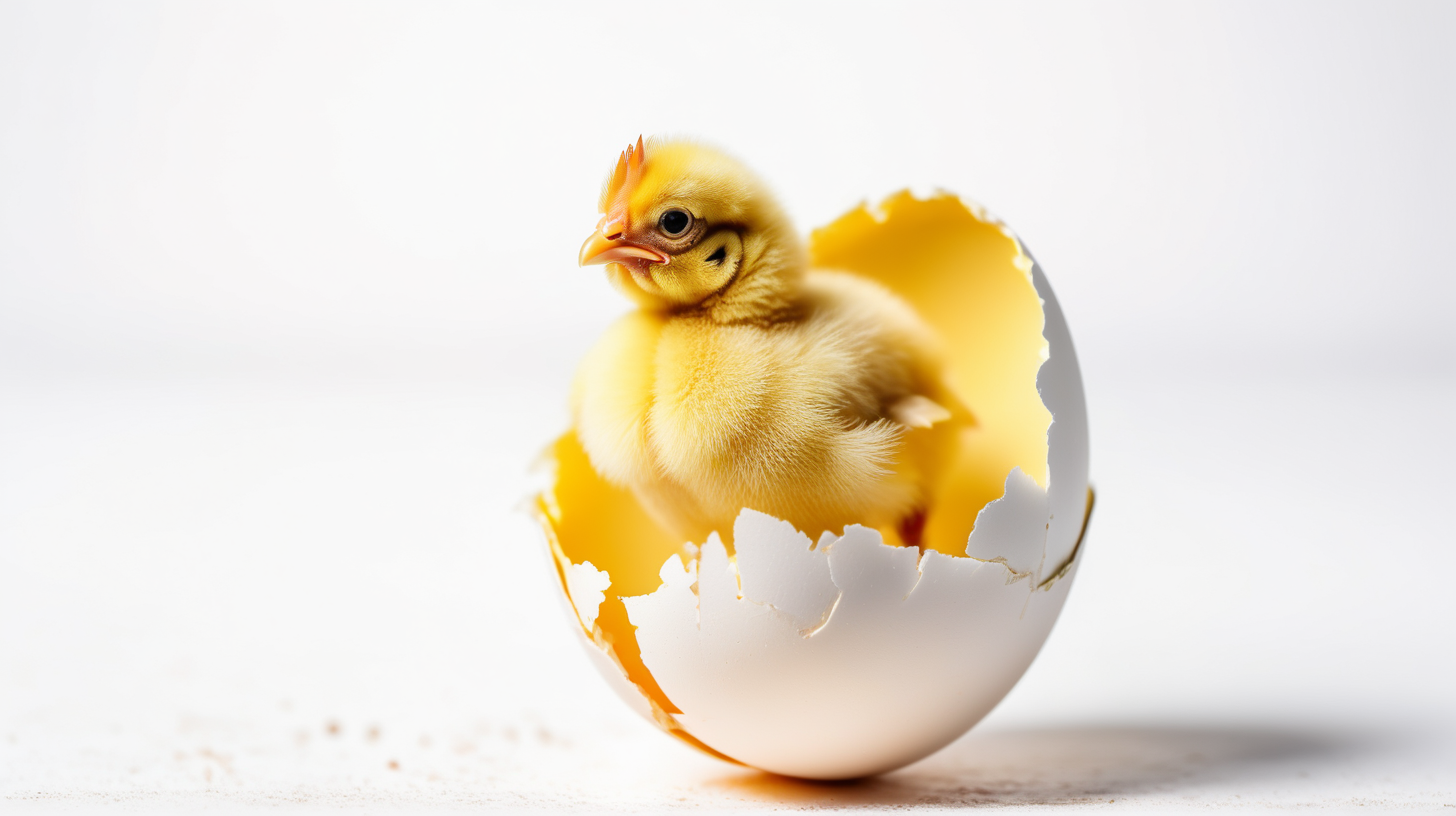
[1066,567]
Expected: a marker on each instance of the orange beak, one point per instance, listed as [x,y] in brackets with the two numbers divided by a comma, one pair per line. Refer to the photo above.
[601,249]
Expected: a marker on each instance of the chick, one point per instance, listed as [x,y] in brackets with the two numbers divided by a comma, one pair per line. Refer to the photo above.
[744,379]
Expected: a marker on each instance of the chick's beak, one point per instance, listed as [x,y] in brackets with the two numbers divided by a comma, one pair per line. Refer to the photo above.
[599,249]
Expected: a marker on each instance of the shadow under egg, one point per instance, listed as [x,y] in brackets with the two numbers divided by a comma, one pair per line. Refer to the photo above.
[1077,765]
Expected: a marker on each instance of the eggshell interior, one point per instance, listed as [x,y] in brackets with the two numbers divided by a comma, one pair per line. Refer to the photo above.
[847,656]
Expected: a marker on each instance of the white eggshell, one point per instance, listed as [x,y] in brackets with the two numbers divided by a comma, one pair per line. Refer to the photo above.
[1060,384]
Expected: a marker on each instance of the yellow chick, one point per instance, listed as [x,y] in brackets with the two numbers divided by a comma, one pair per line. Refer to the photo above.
[745,379]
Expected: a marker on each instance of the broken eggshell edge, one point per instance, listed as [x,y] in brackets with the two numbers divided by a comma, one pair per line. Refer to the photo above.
[851,657]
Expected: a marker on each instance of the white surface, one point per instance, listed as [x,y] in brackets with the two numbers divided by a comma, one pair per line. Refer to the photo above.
[288,304]
[199,577]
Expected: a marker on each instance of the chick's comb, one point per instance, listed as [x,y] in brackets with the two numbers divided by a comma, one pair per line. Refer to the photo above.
[625,176]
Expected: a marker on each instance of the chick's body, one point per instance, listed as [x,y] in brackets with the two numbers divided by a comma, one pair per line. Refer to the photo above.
[816,397]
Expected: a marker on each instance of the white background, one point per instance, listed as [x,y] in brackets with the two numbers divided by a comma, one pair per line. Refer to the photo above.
[288,304]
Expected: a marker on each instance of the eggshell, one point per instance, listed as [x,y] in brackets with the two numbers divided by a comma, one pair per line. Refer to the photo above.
[847,656]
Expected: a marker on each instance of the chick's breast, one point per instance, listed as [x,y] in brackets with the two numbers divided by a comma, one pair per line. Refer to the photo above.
[611,395]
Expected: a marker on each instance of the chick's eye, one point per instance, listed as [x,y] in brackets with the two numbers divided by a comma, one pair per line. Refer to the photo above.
[674,222]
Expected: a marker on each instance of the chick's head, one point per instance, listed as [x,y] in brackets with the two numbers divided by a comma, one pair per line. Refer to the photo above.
[685,226]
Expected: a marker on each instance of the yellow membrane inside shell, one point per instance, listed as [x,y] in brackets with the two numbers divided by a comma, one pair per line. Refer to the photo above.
[969,279]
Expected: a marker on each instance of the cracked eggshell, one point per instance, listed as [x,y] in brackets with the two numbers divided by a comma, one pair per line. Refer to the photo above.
[847,657]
